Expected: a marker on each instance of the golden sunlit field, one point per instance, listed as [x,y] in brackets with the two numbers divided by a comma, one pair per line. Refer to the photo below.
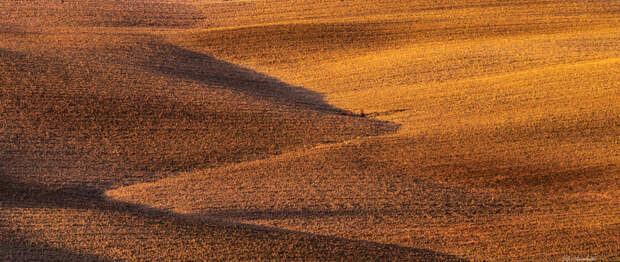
[321,130]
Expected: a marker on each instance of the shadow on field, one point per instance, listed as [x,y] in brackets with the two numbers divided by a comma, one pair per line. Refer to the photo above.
[109,123]
[15,194]
[186,64]
[19,191]
[16,248]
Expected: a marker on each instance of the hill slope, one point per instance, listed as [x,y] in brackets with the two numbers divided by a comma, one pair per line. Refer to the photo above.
[232,130]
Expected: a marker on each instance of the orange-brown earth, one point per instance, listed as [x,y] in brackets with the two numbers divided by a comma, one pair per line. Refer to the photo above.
[313,130]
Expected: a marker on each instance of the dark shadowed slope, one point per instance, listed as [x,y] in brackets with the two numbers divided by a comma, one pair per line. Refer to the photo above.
[39,223]
[109,116]
[14,248]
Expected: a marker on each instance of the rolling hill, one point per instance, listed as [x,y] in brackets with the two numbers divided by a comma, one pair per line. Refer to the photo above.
[313,130]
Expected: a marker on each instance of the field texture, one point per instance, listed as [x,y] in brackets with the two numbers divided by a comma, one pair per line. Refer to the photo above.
[430,130]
